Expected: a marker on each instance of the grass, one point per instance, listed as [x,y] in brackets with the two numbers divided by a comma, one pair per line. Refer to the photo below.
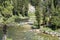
[58,30]
[48,37]
[17,35]
[47,29]
[9,39]
[31,14]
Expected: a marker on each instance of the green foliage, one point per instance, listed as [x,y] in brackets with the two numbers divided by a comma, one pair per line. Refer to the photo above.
[47,29]
[43,10]
[55,16]
[38,13]
[55,20]
[6,11]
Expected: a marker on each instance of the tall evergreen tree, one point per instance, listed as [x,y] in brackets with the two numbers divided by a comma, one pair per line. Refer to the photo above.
[26,3]
[6,13]
[38,13]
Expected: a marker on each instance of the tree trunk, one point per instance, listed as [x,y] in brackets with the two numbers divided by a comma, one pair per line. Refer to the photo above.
[4,32]
[4,37]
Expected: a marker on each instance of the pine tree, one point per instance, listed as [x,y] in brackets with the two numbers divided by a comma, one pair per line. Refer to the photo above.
[38,13]
[6,13]
[26,3]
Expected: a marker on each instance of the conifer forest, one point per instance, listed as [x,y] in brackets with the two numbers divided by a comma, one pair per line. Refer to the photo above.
[29,19]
